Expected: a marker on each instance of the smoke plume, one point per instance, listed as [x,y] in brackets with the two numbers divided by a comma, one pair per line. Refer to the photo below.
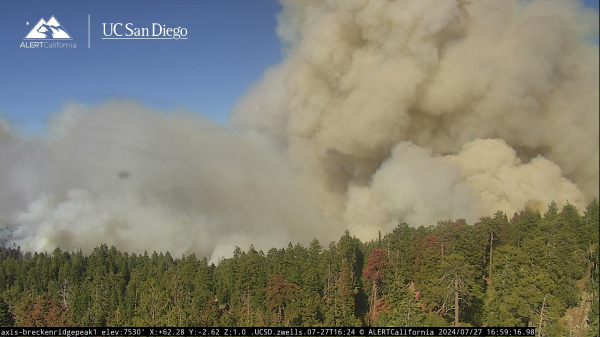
[124,175]
[418,111]
[380,112]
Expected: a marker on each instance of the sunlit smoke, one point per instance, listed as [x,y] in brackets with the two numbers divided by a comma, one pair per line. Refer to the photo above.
[381,112]
[419,111]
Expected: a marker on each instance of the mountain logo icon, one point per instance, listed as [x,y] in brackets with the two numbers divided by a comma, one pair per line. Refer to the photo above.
[48,30]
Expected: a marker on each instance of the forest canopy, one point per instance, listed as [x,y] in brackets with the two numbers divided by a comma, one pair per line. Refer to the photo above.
[531,269]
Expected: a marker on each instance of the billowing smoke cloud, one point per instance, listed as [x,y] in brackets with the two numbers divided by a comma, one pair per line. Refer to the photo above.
[122,174]
[420,188]
[424,110]
[381,112]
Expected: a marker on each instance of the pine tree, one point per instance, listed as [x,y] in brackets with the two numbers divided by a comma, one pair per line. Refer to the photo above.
[339,297]
[279,295]
[377,265]
[459,282]
[6,319]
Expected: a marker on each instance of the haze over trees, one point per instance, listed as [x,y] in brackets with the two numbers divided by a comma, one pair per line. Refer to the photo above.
[531,269]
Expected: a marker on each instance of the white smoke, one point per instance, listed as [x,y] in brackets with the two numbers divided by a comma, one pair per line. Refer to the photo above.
[417,187]
[122,174]
[381,112]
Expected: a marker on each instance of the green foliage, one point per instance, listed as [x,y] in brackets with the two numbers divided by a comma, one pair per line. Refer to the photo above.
[279,295]
[6,319]
[411,277]
[402,305]
[338,297]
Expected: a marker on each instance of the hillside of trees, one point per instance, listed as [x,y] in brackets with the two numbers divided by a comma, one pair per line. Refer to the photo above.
[531,269]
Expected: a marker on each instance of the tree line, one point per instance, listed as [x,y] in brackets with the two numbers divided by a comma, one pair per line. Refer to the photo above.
[533,269]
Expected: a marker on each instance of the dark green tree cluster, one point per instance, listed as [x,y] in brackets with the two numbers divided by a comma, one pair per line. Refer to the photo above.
[529,270]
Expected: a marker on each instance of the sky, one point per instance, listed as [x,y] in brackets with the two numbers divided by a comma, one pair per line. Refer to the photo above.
[489,123]
[230,44]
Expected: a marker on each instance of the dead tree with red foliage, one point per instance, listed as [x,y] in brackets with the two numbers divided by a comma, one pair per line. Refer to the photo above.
[279,293]
[377,264]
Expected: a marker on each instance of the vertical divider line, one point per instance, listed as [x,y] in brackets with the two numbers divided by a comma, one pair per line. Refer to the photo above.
[88,31]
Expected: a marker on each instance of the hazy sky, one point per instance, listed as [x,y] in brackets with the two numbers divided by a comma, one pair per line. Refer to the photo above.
[375,112]
[230,44]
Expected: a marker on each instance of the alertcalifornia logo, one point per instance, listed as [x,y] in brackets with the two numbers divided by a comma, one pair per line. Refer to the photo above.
[51,34]
[48,34]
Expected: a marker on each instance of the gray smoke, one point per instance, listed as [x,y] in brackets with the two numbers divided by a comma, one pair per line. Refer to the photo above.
[381,112]
[124,175]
